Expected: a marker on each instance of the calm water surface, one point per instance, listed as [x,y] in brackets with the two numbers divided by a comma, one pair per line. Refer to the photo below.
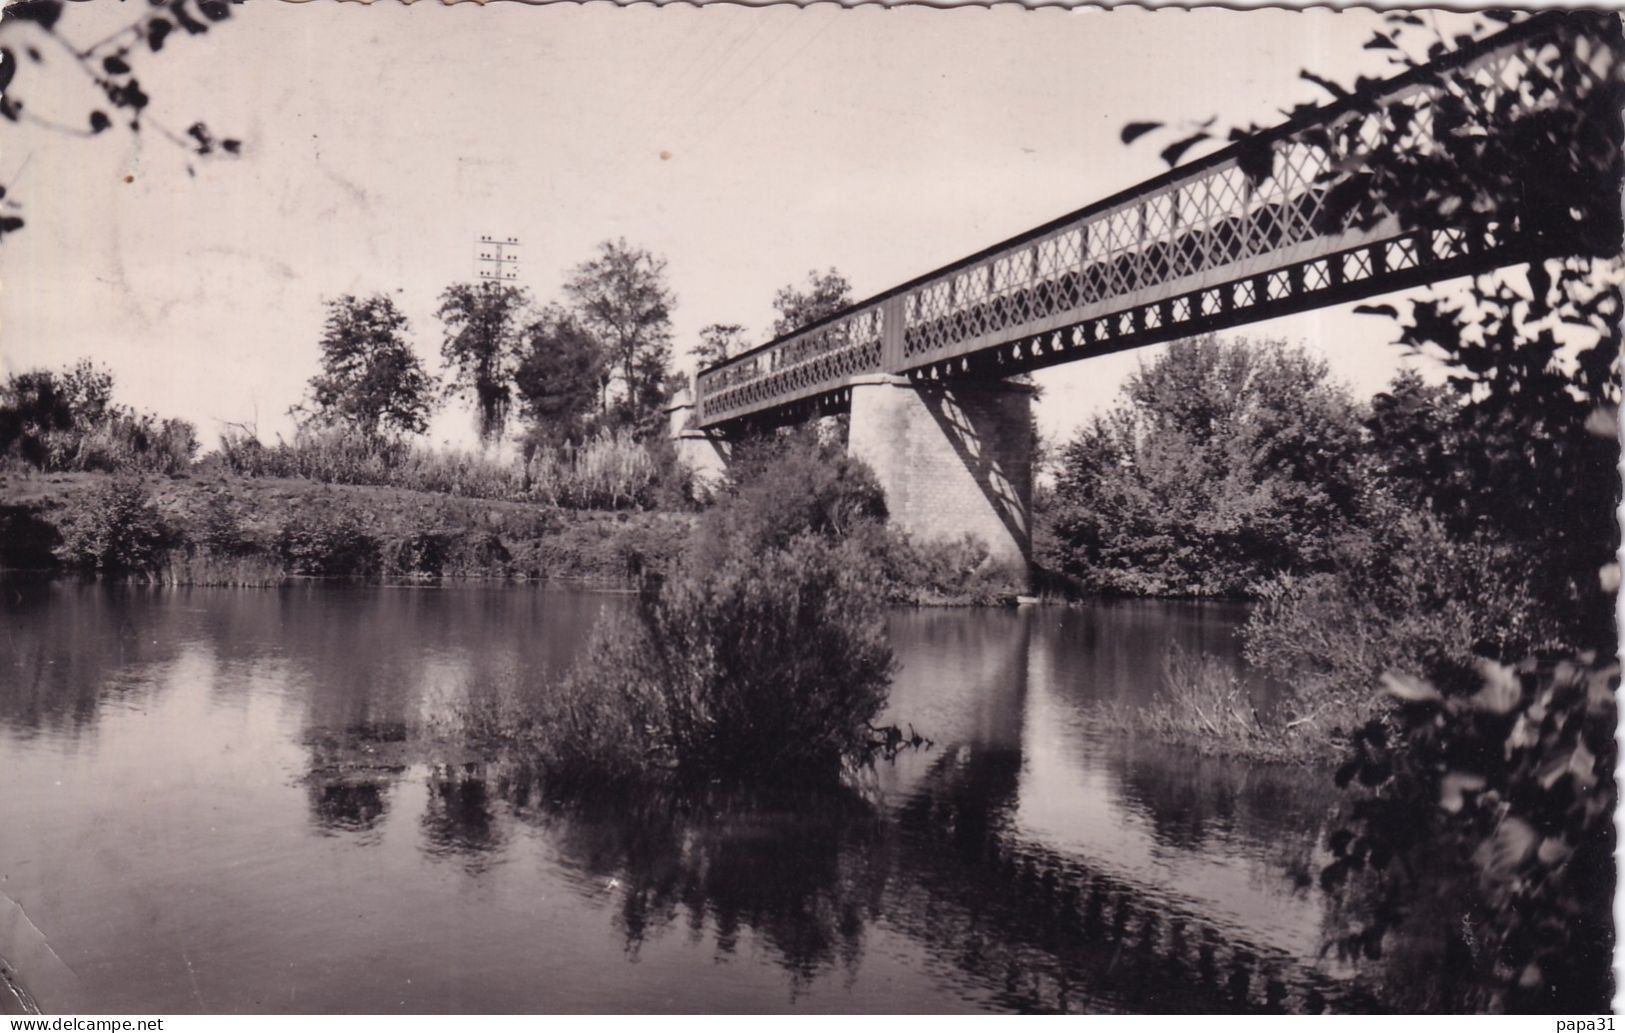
[184,825]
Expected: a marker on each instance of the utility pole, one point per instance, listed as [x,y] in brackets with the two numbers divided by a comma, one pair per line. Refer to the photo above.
[497,258]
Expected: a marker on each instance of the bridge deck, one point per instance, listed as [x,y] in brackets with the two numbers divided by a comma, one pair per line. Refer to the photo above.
[1202,247]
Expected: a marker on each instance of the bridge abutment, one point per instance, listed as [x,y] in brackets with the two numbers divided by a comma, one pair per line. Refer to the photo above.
[954,459]
[703,453]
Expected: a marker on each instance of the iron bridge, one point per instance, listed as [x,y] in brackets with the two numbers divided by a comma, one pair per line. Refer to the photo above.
[1199,248]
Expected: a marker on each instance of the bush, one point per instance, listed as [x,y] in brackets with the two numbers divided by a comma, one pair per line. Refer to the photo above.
[66,421]
[1224,464]
[1406,596]
[328,536]
[610,471]
[1205,706]
[949,571]
[114,528]
[1481,827]
[768,667]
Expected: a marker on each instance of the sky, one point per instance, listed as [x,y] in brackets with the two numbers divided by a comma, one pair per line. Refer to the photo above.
[745,146]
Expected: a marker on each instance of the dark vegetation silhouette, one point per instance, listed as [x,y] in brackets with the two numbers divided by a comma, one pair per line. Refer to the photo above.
[1479,813]
[38,30]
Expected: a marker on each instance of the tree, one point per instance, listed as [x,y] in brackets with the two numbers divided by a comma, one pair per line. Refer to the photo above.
[1224,464]
[719,342]
[109,65]
[370,378]
[621,298]
[557,375]
[825,294]
[482,336]
[1481,802]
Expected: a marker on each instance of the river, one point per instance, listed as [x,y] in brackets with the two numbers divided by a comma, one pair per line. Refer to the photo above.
[184,827]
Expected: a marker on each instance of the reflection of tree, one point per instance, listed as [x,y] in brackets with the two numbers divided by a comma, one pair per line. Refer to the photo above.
[64,647]
[803,872]
[1011,922]
[348,806]
[1193,801]
[458,820]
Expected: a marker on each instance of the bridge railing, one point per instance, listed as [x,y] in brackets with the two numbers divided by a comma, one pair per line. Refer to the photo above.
[1191,245]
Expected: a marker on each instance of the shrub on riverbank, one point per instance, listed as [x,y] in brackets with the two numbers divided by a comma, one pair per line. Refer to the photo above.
[115,529]
[609,471]
[771,666]
[255,531]
[58,421]
[1205,705]
[795,484]
[1404,595]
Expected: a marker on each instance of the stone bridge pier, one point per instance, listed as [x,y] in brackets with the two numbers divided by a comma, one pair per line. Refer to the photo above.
[954,459]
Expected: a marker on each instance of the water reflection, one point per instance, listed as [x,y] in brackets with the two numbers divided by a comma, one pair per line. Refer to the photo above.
[254,753]
[458,821]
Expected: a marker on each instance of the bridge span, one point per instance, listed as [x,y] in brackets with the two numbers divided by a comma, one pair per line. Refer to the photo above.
[1250,232]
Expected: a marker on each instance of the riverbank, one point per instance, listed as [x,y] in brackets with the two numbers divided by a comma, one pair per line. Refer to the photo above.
[215,528]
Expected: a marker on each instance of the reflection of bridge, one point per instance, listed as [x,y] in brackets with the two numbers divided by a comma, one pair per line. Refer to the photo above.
[1248,233]
[1060,933]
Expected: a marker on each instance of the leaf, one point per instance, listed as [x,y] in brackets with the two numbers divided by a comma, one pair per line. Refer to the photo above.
[1377,310]
[43,13]
[1511,844]
[113,64]
[1325,84]
[1500,691]
[184,19]
[1454,786]
[1409,689]
[1583,763]
[1380,42]
[1134,130]
[231,146]
[99,122]
[10,224]
[158,29]
[1256,159]
[1172,153]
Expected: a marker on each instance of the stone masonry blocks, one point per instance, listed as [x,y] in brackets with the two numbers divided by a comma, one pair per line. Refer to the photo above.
[954,459]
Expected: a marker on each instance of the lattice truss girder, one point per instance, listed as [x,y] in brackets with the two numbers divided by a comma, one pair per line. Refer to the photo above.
[1203,246]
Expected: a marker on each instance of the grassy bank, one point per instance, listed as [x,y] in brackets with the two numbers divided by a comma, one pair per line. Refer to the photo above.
[216,528]
[1205,706]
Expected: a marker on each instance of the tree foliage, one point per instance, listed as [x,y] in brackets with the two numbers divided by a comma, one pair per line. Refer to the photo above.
[621,298]
[719,342]
[483,322]
[557,376]
[67,420]
[824,294]
[1480,813]
[1224,464]
[370,379]
[110,67]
